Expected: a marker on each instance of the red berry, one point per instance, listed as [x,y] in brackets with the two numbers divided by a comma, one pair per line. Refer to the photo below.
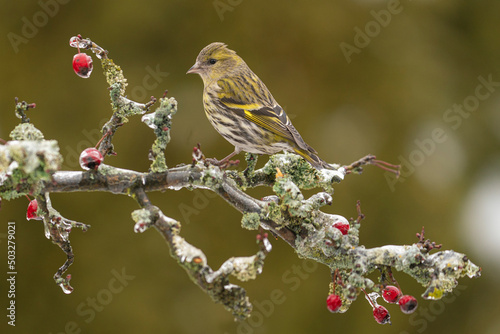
[381,315]
[343,227]
[90,158]
[82,65]
[408,304]
[333,303]
[31,212]
[391,294]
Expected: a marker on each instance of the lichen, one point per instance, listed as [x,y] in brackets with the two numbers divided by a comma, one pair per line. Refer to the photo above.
[141,216]
[272,211]
[26,131]
[433,292]
[161,122]
[114,75]
[247,268]
[24,165]
[211,177]
[300,172]
[250,221]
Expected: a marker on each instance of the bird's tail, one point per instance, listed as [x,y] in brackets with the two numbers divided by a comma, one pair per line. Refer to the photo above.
[312,157]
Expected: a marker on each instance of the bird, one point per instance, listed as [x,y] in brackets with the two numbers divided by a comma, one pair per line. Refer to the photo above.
[242,109]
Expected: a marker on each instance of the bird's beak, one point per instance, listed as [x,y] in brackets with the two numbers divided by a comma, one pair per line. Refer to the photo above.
[194,69]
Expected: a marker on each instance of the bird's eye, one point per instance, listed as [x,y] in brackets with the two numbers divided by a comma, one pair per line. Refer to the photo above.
[212,61]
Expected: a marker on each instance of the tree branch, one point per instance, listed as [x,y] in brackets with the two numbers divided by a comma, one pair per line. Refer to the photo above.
[30,166]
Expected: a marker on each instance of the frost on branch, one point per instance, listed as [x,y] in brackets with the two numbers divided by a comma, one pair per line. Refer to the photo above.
[30,165]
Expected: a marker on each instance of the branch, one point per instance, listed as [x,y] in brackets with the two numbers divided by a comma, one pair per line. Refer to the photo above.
[296,220]
[30,166]
[215,283]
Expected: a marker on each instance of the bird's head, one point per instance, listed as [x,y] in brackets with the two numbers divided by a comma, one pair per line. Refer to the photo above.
[216,61]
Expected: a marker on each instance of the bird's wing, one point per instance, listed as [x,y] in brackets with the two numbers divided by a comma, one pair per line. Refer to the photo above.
[263,110]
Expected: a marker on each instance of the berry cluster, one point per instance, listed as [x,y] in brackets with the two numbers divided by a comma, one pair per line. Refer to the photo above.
[390,293]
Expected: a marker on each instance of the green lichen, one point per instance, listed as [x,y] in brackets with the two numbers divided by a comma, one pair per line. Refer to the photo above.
[433,292]
[115,94]
[470,269]
[212,178]
[298,169]
[287,190]
[272,211]
[25,165]
[159,164]
[301,173]
[114,75]
[290,203]
[142,216]
[251,160]
[122,107]
[250,221]
[247,268]
[26,131]
[161,122]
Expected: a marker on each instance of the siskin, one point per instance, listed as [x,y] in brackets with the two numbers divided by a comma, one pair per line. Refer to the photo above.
[243,111]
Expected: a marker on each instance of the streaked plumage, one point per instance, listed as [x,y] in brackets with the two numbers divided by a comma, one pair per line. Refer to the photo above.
[243,111]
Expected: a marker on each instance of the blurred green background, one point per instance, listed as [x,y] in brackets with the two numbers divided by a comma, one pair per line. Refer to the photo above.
[408,63]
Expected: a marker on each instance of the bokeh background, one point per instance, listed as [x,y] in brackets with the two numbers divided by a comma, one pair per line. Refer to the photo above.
[386,96]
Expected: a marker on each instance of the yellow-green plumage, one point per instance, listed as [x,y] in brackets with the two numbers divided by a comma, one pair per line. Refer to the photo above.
[243,111]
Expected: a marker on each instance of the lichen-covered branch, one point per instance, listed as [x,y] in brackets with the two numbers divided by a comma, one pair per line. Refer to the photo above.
[30,166]
[215,283]
[161,123]
[296,220]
